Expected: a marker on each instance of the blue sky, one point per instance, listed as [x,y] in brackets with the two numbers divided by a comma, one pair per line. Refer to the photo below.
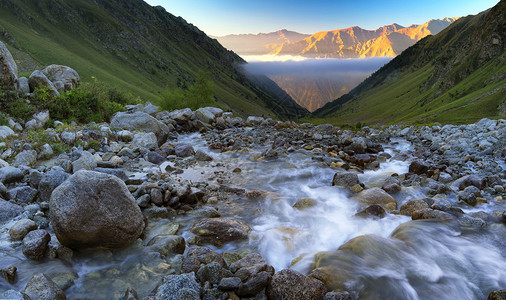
[221,17]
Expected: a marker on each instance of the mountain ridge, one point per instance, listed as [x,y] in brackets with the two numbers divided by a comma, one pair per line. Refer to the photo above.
[458,75]
[137,47]
[356,42]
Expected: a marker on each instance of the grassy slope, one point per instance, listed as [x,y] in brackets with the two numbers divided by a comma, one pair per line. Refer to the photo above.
[441,79]
[133,46]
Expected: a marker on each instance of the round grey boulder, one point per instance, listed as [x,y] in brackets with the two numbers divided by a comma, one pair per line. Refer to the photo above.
[35,244]
[66,76]
[95,210]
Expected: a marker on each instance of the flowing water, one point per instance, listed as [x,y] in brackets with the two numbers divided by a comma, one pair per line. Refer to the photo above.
[393,257]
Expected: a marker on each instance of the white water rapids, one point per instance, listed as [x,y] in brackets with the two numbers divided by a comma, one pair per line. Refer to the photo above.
[401,259]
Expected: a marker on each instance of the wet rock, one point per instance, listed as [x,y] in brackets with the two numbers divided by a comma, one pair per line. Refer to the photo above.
[155,212]
[497,295]
[130,294]
[374,210]
[23,194]
[376,196]
[202,156]
[337,296]
[470,194]
[21,228]
[174,287]
[42,287]
[213,273]
[66,77]
[145,140]
[156,197]
[346,179]
[206,211]
[155,157]
[85,162]
[9,273]
[80,221]
[250,265]
[167,244]
[419,167]
[35,244]
[200,255]
[141,121]
[11,174]
[184,150]
[412,205]
[229,283]
[14,295]
[143,201]
[289,284]
[8,68]
[304,203]
[428,213]
[254,285]
[392,188]
[25,158]
[218,231]
[50,181]
[9,211]
[469,180]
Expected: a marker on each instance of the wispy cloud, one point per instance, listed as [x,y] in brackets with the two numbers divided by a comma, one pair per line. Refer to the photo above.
[315,68]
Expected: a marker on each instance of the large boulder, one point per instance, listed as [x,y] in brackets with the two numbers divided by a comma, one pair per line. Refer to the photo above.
[63,77]
[37,78]
[376,196]
[141,121]
[95,210]
[218,230]
[8,67]
[289,284]
[41,287]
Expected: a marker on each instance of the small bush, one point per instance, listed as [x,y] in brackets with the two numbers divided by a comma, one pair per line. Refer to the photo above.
[199,94]
[87,103]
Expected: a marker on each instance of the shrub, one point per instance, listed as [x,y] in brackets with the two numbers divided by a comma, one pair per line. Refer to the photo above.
[199,94]
[87,103]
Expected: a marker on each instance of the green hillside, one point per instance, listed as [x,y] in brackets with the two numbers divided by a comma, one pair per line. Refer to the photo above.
[456,76]
[135,47]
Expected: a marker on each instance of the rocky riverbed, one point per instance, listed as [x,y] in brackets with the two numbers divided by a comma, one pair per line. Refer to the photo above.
[205,205]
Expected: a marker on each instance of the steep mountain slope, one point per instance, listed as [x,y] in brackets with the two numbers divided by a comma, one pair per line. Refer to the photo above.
[258,44]
[137,47]
[457,76]
[355,42]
